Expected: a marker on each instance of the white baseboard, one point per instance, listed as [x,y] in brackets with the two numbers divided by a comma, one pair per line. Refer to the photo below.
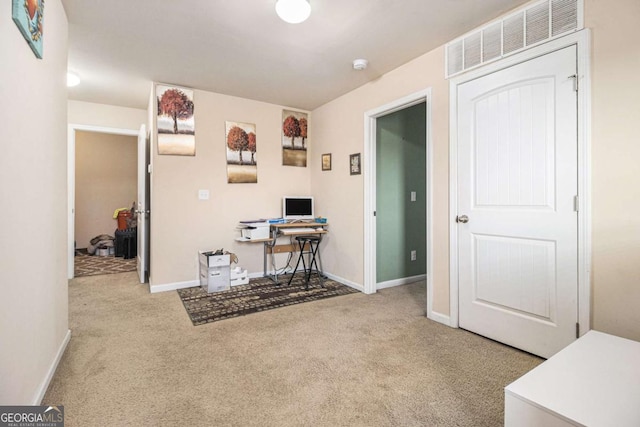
[191,283]
[354,285]
[439,317]
[402,281]
[188,284]
[349,283]
[173,286]
[37,400]
[259,274]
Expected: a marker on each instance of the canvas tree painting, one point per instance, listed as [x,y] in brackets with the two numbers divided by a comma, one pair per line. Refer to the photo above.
[240,140]
[175,122]
[294,138]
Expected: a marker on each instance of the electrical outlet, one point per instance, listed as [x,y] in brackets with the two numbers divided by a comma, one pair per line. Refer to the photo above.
[203,194]
[413,196]
[413,255]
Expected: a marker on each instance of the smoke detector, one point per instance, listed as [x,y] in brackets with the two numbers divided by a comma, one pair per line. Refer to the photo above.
[360,64]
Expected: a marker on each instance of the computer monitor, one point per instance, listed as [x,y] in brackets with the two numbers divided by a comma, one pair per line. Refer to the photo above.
[297,208]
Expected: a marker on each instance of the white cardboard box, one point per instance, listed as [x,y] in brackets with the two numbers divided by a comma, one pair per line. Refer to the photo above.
[239,277]
[210,260]
[215,279]
[215,273]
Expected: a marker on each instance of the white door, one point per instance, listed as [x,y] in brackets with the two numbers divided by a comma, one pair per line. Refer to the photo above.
[517,185]
[142,211]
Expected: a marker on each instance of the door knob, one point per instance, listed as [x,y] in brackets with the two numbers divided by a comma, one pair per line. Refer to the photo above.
[462,218]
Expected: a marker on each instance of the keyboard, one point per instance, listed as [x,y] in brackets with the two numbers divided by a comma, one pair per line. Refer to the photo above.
[297,230]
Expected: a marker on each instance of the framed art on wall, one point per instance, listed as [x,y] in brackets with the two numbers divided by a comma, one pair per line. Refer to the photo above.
[175,122]
[28,16]
[294,138]
[326,162]
[354,164]
[240,140]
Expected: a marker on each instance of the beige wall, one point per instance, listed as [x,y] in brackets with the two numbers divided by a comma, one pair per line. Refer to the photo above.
[339,129]
[615,154]
[106,179]
[102,115]
[182,225]
[33,188]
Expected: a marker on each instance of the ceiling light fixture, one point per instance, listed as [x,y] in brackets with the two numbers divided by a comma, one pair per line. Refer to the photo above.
[293,11]
[72,80]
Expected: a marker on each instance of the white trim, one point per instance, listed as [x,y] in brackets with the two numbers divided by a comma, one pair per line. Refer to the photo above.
[71,181]
[346,282]
[71,200]
[582,41]
[369,176]
[453,204]
[349,283]
[400,282]
[429,198]
[44,385]
[584,182]
[154,289]
[440,318]
[256,275]
[370,185]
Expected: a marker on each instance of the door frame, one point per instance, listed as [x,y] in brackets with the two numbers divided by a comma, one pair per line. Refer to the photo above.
[582,41]
[71,181]
[369,171]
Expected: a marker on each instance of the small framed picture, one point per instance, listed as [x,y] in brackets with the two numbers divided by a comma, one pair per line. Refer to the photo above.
[354,164]
[326,162]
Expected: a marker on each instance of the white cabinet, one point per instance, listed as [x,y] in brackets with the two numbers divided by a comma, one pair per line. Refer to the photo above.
[594,382]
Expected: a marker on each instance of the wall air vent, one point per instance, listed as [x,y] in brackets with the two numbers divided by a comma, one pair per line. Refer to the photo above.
[491,42]
[526,27]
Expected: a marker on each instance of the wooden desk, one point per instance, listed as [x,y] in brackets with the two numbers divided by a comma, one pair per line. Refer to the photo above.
[278,230]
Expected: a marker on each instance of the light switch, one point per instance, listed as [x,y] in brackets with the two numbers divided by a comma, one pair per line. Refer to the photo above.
[413,196]
[203,194]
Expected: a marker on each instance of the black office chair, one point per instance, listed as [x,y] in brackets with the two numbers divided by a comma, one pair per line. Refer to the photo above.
[313,243]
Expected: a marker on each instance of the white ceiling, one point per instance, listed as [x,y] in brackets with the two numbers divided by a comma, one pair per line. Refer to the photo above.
[241,47]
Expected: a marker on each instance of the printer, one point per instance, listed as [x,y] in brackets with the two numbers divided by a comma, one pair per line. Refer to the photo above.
[255,230]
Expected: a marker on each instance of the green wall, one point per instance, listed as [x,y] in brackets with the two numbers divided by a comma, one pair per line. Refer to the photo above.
[401,169]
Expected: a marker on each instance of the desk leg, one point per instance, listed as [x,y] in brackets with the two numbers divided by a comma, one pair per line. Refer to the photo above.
[269,246]
[265,245]
[319,263]
[273,261]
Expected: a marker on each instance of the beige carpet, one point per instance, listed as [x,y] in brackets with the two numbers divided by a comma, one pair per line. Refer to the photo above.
[135,359]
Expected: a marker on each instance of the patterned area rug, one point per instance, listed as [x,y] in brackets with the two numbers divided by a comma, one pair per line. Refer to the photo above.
[259,295]
[93,265]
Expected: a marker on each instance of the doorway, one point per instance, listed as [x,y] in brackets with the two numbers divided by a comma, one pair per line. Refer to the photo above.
[518,201]
[106,181]
[401,208]
[422,103]
[102,177]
